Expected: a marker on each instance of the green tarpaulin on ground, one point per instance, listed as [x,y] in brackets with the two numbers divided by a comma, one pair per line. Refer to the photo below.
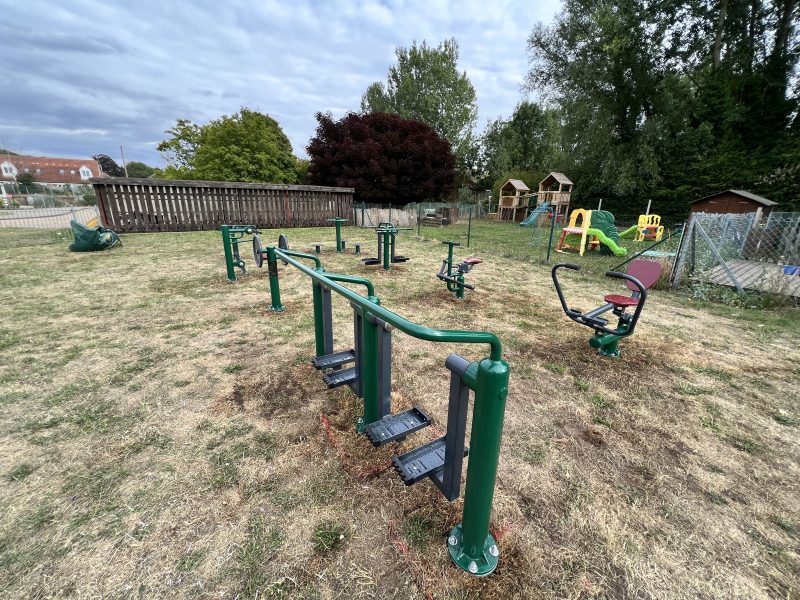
[91,239]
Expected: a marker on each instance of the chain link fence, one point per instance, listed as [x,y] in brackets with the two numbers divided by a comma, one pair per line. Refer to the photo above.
[741,251]
[32,226]
[479,230]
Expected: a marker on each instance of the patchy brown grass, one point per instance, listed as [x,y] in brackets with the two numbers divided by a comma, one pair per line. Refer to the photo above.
[163,435]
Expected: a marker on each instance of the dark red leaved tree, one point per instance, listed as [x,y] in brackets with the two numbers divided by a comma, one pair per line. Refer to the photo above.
[386,158]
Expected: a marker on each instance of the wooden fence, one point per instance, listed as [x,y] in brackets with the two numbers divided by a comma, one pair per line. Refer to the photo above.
[141,205]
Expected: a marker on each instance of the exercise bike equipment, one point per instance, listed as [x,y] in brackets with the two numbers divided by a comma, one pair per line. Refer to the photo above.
[641,275]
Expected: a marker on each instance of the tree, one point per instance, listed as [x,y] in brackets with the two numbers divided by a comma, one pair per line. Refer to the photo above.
[528,141]
[109,166]
[26,179]
[139,169]
[386,158]
[246,146]
[426,85]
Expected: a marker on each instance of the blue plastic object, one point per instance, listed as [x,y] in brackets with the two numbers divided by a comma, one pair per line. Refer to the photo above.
[541,209]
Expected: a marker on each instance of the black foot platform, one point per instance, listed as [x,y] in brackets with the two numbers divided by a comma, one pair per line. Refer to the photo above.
[399,259]
[371,261]
[421,462]
[396,427]
[339,378]
[331,361]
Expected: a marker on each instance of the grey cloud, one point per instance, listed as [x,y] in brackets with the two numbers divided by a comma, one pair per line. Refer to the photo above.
[133,69]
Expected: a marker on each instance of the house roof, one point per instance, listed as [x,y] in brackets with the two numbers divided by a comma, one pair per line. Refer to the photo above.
[559,177]
[51,170]
[755,198]
[519,185]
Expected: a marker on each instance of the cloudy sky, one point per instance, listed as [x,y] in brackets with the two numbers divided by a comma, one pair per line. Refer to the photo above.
[81,77]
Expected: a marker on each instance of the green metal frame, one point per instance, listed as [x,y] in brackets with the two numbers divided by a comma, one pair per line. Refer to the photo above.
[456,288]
[470,544]
[338,222]
[231,236]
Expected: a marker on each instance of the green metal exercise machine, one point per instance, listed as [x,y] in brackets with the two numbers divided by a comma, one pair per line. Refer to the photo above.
[455,281]
[231,236]
[641,275]
[366,369]
[387,240]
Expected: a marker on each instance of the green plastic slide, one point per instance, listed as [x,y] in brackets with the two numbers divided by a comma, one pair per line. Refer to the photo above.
[606,241]
[628,232]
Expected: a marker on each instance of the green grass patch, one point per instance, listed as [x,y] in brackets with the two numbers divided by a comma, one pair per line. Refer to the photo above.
[601,402]
[419,530]
[556,368]
[581,384]
[20,471]
[252,557]
[744,443]
[328,536]
[235,368]
[191,560]
[784,419]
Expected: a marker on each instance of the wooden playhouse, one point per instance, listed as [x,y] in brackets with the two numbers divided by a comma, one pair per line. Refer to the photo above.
[514,197]
[556,189]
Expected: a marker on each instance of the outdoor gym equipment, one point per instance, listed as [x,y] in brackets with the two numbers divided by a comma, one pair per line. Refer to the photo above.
[455,282]
[641,275]
[258,249]
[470,544]
[231,236]
[387,234]
[339,241]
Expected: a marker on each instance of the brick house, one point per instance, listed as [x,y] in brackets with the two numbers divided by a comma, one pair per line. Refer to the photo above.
[56,172]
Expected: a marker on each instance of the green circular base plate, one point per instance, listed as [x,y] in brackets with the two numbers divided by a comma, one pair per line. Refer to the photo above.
[281,309]
[360,425]
[614,354]
[479,566]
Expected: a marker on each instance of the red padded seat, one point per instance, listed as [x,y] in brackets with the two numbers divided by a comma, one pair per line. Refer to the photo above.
[619,300]
[472,260]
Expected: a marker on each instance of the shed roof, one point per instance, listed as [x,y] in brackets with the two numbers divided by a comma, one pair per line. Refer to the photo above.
[761,200]
[559,177]
[519,185]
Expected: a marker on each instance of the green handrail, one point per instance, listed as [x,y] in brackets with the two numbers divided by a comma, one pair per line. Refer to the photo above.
[417,331]
[316,260]
[353,279]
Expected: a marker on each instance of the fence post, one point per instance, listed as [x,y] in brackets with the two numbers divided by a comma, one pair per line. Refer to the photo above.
[550,240]
[419,214]
[469,227]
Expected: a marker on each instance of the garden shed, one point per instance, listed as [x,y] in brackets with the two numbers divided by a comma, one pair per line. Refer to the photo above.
[733,201]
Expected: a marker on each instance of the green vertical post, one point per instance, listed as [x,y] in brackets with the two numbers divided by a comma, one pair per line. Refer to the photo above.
[471,545]
[469,227]
[460,286]
[550,239]
[362,214]
[274,286]
[226,241]
[338,235]
[369,370]
[386,252]
[319,324]
[449,258]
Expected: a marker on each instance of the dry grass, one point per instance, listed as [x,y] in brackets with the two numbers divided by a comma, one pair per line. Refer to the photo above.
[162,437]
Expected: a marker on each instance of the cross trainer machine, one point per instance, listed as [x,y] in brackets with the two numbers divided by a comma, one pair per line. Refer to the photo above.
[455,281]
[231,236]
[387,234]
[641,275]
[366,370]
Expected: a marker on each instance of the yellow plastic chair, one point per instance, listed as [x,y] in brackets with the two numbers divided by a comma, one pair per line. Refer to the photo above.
[649,228]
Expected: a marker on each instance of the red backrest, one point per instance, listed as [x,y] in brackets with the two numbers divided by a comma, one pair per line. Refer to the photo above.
[646,271]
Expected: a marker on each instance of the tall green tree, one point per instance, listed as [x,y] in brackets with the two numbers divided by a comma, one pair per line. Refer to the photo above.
[139,169]
[668,100]
[427,86]
[246,146]
[528,141]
